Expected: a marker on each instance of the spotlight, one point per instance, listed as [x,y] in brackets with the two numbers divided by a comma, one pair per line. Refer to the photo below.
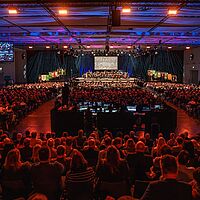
[12,11]
[47,47]
[128,47]
[126,10]
[169,47]
[88,46]
[30,47]
[172,12]
[65,47]
[63,12]
[187,47]
[148,47]
[111,47]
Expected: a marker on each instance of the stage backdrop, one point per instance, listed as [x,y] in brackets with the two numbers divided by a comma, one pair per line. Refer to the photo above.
[45,61]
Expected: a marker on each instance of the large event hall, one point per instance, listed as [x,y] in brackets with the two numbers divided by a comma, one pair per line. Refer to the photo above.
[99,100]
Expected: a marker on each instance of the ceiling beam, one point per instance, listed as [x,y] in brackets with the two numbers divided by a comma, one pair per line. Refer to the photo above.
[103,34]
[70,15]
[20,27]
[60,23]
[96,1]
[161,22]
[132,26]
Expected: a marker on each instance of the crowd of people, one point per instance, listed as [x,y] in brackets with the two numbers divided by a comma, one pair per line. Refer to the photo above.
[185,96]
[18,100]
[118,96]
[106,84]
[42,166]
[115,74]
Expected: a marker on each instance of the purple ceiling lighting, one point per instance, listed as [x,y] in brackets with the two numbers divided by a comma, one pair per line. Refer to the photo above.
[89,24]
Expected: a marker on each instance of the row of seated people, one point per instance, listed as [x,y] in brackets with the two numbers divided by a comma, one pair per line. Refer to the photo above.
[100,84]
[119,96]
[96,167]
[116,74]
[17,100]
[185,96]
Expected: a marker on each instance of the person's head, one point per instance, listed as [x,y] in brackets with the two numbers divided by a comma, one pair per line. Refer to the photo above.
[140,147]
[48,135]
[107,141]
[37,196]
[78,161]
[147,136]
[132,134]
[172,135]
[126,137]
[19,136]
[130,145]
[57,142]
[91,143]
[80,133]
[160,135]
[61,150]
[27,142]
[33,135]
[112,156]
[69,141]
[65,134]
[189,147]
[183,157]
[63,141]
[27,133]
[44,154]
[179,140]
[117,142]
[168,166]
[161,142]
[42,136]
[164,150]
[13,160]
[196,175]
[50,142]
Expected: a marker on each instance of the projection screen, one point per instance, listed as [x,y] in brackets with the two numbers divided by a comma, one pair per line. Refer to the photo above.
[106,63]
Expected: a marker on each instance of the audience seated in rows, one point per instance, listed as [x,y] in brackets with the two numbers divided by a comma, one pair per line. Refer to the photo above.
[94,167]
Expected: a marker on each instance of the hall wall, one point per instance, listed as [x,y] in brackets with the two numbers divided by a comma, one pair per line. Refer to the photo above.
[192,65]
[14,70]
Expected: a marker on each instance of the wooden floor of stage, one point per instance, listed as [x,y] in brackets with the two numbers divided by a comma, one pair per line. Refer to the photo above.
[40,121]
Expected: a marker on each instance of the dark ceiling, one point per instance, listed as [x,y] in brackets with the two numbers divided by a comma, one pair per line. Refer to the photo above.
[88,23]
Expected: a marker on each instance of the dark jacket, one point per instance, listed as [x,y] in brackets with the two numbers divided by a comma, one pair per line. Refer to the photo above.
[169,189]
[139,164]
[46,178]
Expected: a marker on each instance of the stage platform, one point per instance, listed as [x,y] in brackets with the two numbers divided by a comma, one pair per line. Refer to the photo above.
[164,121]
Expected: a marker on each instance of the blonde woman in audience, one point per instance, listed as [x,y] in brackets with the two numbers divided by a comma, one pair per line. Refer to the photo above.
[35,155]
[156,150]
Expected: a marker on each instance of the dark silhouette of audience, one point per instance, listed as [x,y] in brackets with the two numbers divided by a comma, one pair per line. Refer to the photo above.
[94,167]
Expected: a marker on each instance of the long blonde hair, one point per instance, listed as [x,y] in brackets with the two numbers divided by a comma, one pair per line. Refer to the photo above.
[35,155]
[113,158]
[13,160]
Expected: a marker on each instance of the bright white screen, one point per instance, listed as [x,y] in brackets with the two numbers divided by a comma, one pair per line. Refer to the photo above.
[105,63]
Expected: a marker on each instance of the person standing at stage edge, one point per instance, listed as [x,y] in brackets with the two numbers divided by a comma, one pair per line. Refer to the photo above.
[65,94]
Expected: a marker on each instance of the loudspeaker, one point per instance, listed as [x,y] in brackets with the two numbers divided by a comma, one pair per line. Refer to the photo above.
[116,19]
